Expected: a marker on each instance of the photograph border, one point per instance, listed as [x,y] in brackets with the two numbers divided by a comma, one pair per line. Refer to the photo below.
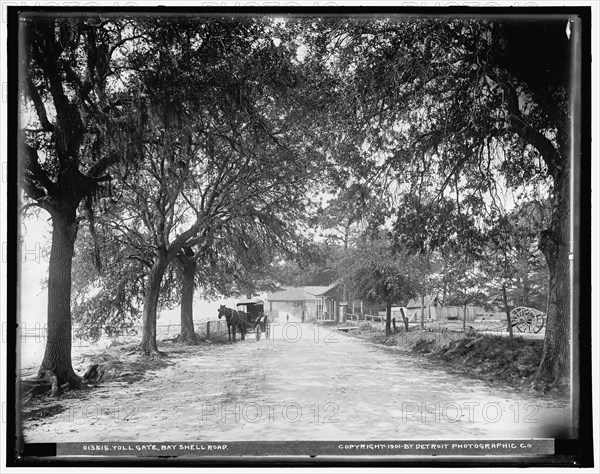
[568,452]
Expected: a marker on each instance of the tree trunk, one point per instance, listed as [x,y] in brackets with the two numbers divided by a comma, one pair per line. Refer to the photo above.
[148,345]
[465,318]
[344,308]
[56,366]
[554,243]
[507,310]
[188,334]
[344,286]
[388,318]
[422,314]
[445,283]
[526,289]
[404,319]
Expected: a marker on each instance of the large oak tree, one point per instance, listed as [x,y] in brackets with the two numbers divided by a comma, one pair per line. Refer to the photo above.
[71,85]
[458,109]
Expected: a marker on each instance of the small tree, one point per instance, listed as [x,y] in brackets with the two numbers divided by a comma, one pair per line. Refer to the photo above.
[377,275]
[511,258]
[466,283]
[354,210]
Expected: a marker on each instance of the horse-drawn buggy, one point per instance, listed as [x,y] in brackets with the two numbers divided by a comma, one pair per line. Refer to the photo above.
[248,317]
[257,321]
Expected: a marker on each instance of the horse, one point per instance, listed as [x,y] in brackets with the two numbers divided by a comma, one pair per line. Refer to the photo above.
[234,319]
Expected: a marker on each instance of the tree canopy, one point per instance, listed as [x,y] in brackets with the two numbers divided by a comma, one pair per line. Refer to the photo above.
[212,151]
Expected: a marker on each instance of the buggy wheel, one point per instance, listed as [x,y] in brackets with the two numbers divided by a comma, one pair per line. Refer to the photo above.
[527,319]
[257,330]
[522,325]
[538,324]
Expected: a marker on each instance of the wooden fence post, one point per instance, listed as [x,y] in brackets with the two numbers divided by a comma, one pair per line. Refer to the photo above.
[404,318]
[507,310]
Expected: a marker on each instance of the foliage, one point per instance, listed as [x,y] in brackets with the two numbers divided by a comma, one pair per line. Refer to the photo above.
[513,258]
[76,116]
[220,133]
[377,275]
[72,120]
[313,265]
[225,172]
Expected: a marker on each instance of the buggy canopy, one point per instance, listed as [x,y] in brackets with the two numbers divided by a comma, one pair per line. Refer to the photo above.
[254,301]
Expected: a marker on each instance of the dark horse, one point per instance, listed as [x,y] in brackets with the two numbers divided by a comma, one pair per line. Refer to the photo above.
[234,319]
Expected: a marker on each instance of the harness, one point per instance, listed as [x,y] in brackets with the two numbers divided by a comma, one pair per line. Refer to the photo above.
[234,317]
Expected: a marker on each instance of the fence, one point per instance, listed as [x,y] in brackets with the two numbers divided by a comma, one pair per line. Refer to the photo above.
[201,327]
[457,312]
[352,319]
[212,330]
[491,325]
[442,313]
[445,313]
[216,330]
[171,330]
[356,319]
[164,331]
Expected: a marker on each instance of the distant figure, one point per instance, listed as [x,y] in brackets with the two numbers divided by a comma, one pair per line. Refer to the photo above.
[287,317]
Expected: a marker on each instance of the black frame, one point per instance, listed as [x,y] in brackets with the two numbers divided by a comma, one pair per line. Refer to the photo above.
[571,452]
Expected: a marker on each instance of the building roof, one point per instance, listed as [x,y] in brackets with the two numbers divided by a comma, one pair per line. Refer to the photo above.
[430,300]
[294,293]
[315,290]
[290,293]
[325,290]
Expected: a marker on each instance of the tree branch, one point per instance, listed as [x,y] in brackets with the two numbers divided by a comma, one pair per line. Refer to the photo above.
[519,125]
[38,104]
[31,164]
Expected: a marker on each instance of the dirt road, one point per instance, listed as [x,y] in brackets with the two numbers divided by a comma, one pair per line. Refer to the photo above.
[304,383]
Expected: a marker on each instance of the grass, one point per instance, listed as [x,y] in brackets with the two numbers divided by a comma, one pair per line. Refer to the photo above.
[119,363]
[493,358]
